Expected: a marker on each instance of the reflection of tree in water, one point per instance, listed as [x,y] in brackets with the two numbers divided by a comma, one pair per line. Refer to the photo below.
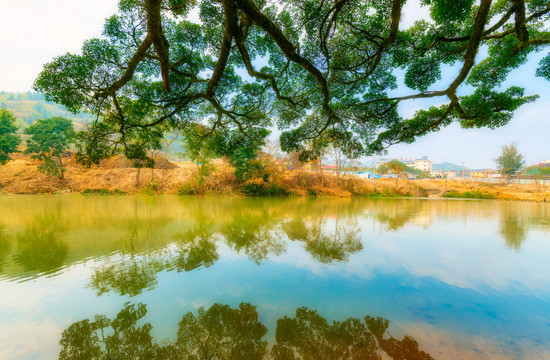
[103,338]
[513,226]
[222,332]
[397,213]
[254,234]
[128,276]
[196,248]
[39,246]
[325,246]
[5,246]
[143,230]
[310,336]
[137,272]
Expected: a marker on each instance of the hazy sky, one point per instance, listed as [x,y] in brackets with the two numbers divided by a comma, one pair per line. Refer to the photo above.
[32,32]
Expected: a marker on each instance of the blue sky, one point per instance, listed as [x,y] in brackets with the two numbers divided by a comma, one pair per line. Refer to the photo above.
[35,31]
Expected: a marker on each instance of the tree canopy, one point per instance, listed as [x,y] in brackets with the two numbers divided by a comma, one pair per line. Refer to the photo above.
[319,71]
[510,160]
[9,140]
[49,138]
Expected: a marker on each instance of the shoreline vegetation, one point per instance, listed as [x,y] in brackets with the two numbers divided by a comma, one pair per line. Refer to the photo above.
[116,176]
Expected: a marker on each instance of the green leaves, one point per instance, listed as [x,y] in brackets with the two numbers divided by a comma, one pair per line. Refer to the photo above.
[50,135]
[320,71]
[9,140]
[449,10]
[49,139]
[488,108]
[504,56]
[544,68]
[510,160]
[422,73]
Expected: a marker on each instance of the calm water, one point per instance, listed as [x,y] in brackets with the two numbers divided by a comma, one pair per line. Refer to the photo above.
[262,278]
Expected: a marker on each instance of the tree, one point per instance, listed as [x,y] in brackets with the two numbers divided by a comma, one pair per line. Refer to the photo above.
[339,153]
[198,146]
[313,67]
[510,160]
[9,140]
[49,139]
[394,167]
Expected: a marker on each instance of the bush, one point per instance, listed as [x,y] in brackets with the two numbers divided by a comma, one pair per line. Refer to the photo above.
[263,189]
[187,189]
[311,192]
[103,192]
[476,194]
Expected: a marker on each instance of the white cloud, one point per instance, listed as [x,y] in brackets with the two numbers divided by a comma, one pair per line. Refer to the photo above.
[35,31]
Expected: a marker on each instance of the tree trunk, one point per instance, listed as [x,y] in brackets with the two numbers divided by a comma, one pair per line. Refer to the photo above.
[321,172]
[137,177]
[61,176]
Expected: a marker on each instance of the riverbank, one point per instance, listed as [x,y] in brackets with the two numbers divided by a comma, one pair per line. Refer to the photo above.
[116,176]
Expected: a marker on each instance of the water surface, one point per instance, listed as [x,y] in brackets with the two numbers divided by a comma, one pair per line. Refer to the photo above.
[460,279]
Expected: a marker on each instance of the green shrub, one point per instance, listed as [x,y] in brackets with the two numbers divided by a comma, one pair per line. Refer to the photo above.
[254,189]
[476,194]
[386,193]
[103,192]
[276,190]
[187,189]
[312,192]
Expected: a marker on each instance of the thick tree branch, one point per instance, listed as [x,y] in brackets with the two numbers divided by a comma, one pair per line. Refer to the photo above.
[473,45]
[222,61]
[130,69]
[521,29]
[394,28]
[232,20]
[154,28]
[289,50]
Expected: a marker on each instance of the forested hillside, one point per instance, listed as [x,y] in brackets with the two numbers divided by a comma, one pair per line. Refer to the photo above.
[30,106]
[446,166]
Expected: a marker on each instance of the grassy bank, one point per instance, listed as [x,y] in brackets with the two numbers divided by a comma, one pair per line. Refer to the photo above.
[117,177]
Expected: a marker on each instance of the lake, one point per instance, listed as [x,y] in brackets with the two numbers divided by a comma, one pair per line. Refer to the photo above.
[273,278]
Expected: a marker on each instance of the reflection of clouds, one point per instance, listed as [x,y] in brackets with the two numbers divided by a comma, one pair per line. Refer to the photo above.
[20,297]
[469,257]
[450,345]
[17,342]
[24,331]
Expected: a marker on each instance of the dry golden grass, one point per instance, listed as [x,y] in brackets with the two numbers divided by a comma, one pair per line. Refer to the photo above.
[20,176]
[527,192]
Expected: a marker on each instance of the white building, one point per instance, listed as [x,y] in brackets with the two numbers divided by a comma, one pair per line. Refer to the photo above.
[420,164]
[423,164]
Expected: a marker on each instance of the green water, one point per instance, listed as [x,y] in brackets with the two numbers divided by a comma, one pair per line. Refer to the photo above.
[273,278]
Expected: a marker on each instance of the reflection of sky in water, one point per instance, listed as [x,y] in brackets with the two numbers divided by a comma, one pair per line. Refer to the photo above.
[449,278]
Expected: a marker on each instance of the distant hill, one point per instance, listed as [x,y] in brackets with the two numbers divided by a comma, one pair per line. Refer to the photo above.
[30,106]
[447,166]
